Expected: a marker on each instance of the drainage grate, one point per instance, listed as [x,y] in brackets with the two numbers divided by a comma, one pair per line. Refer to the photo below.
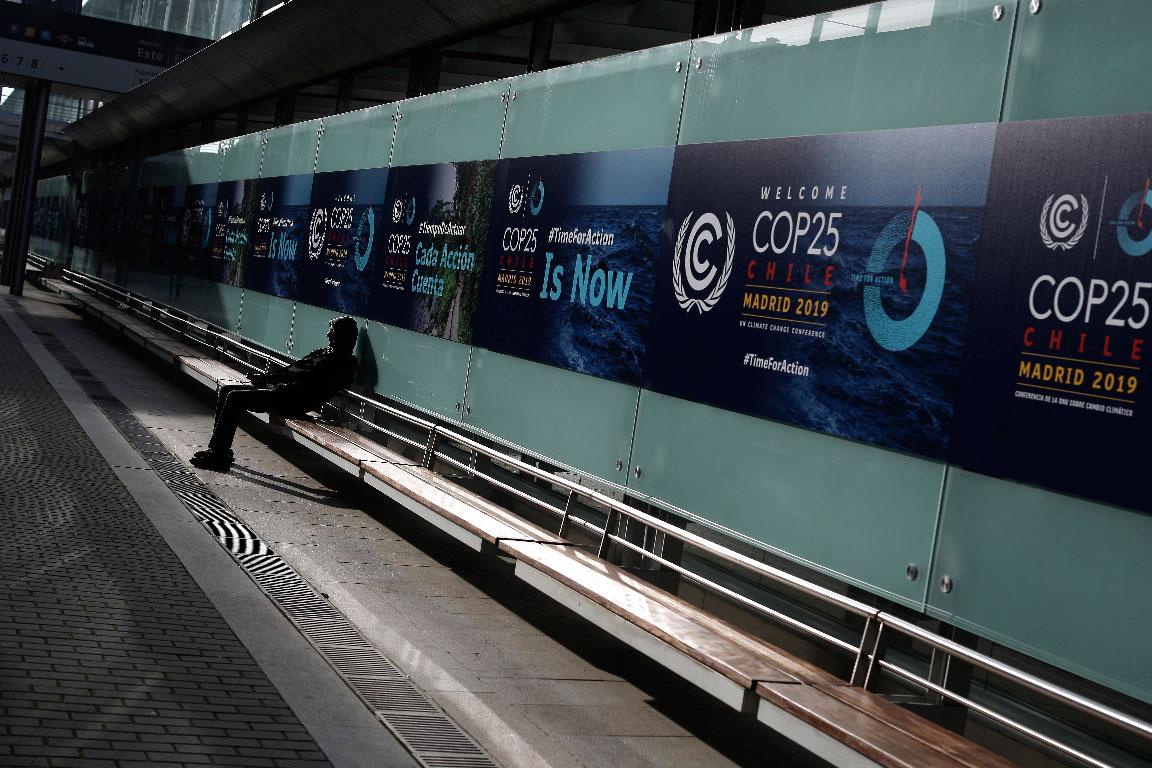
[434,739]
[429,733]
[351,661]
[387,694]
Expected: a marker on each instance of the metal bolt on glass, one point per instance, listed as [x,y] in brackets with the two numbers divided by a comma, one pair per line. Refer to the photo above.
[619,465]
[1035,6]
[699,63]
[946,584]
[997,12]
[679,66]
[912,571]
[637,471]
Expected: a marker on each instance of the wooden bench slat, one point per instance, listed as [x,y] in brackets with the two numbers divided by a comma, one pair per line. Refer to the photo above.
[169,349]
[444,504]
[213,371]
[952,744]
[343,442]
[498,514]
[708,640]
[885,734]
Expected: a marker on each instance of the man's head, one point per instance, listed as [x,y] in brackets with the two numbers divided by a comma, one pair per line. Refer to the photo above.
[342,333]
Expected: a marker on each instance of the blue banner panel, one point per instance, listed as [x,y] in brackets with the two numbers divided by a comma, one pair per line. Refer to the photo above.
[574,243]
[142,241]
[434,241]
[168,202]
[235,201]
[196,225]
[85,221]
[342,244]
[279,236]
[1053,391]
[823,281]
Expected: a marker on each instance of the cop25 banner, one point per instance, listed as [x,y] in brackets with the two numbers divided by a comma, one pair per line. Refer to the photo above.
[433,244]
[228,241]
[574,243]
[823,281]
[196,225]
[1054,384]
[279,236]
[343,246]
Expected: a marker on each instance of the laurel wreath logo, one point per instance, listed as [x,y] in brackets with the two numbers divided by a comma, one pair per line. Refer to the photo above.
[1055,231]
[685,301]
[515,198]
[317,229]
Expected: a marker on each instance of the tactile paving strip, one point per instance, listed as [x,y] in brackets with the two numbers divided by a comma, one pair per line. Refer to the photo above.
[434,739]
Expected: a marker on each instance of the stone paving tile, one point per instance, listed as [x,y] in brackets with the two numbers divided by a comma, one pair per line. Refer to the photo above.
[110,654]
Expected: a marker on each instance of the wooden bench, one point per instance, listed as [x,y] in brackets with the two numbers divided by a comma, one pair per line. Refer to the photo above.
[844,725]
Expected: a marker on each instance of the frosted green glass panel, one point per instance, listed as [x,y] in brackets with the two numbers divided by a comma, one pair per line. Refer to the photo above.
[1056,577]
[1080,57]
[354,140]
[290,150]
[859,513]
[203,163]
[220,304]
[464,124]
[189,294]
[310,328]
[896,64]
[266,320]
[160,287]
[240,157]
[423,371]
[622,102]
[578,420]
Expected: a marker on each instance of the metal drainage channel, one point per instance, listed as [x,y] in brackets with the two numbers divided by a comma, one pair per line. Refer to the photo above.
[431,736]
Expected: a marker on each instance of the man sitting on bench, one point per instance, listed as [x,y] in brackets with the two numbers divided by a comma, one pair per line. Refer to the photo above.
[301,387]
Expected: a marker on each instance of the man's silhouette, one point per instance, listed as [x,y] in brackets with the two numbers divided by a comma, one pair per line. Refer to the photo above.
[301,387]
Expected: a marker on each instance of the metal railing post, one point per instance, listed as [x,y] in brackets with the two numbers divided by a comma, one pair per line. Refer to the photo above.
[430,448]
[567,511]
[605,540]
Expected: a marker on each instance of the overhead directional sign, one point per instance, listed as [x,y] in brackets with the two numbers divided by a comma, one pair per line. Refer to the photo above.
[48,44]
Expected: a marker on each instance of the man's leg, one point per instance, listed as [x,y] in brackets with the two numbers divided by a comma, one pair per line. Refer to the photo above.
[233,404]
[222,395]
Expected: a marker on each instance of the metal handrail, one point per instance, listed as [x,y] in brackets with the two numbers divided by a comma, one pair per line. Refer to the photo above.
[870,651]
[1033,683]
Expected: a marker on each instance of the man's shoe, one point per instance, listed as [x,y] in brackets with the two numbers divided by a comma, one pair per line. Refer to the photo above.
[209,452]
[218,462]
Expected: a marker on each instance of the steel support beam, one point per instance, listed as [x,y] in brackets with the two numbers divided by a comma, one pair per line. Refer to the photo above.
[33,117]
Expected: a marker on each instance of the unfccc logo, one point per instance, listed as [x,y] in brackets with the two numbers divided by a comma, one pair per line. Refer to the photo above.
[1057,229]
[701,276]
[404,208]
[317,231]
[515,198]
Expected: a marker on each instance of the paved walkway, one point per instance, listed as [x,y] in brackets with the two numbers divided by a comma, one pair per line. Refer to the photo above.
[528,680]
[110,654]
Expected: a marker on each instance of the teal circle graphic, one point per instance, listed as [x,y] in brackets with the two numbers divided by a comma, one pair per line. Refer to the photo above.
[536,203]
[362,256]
[410,213]
[898,335]
[1127,244]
